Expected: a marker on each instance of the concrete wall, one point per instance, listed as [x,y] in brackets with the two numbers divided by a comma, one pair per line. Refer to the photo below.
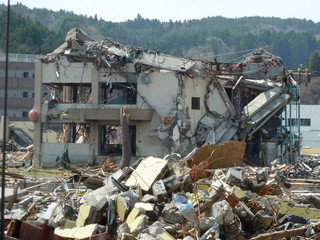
[79,154]
[195,87]
[164,91]
[67,73]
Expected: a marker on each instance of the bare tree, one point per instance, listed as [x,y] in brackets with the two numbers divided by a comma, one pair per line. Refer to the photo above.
[125,137]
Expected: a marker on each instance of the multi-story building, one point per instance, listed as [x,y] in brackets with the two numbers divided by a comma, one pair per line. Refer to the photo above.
[175,104]
[20,85]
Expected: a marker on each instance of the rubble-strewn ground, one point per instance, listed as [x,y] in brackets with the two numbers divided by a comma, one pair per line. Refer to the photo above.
[163,199]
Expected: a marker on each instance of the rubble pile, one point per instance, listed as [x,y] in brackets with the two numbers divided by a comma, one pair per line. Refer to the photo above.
[159,198]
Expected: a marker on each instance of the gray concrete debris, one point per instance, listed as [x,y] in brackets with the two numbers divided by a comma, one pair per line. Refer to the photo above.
[222,212]
[234,176]
[262,175]
[221,204]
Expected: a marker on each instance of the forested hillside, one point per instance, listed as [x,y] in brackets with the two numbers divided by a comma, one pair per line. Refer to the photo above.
[40,31]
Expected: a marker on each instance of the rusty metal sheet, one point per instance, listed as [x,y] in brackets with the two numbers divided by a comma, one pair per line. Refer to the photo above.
[227,155]
[25,231]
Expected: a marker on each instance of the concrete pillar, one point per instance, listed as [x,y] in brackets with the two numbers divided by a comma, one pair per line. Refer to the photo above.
[95,88]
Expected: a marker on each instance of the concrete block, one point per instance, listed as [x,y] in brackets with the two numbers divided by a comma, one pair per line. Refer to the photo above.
[122,207]
[155,229]
[234,176]
[172,183]
[262,220]
[69,224]
[149,209]
[166,236]
[262,175]
[147,198]
[159,191]
[237,194]
[222,212]
[171,213]
[93,197]
[135,212]
[138,225]
[123,229]
[86,215]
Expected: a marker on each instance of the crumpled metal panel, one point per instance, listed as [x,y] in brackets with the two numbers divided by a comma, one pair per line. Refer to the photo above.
[26,231]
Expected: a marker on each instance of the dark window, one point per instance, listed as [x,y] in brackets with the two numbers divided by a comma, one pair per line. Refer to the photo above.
[110,139]
[119,93]
[195,103]
[25,94]
[303,122]
[24,114]
[25,74]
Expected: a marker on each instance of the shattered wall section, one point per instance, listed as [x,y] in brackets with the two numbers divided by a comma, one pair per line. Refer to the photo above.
[176,129]
[218,125]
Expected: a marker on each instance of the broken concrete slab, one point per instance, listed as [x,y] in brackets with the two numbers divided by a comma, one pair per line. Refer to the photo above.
[138,225]
[86,215]
[78,232]
[147,172]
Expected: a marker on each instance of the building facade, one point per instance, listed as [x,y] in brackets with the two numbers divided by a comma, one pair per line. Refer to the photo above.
[309,124]
[174,104]
[21,74]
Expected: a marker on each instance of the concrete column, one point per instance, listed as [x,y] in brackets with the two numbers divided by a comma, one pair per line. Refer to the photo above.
[94,137]
[95,88]
[38,124]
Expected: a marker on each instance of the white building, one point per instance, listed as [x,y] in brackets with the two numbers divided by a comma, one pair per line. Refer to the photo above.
[309,124]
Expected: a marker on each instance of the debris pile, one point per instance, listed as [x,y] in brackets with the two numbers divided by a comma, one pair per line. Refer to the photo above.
[155,198]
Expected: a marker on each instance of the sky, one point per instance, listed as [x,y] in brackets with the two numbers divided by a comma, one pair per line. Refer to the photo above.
[164,10]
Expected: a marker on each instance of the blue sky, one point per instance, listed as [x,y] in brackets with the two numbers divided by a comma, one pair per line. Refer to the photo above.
[164,10]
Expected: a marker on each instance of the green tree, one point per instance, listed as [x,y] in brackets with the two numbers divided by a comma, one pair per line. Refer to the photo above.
[313,64]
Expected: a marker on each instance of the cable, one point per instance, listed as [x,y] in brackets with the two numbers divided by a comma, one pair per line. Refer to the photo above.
[229,53]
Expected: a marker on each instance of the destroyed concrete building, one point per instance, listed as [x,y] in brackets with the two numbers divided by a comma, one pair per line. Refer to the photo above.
[175,104]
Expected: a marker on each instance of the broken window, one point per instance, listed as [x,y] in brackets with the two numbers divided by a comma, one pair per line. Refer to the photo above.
[195,103]
[67,133]
[118,93]
[110,139]
[69,93]
[303,122]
